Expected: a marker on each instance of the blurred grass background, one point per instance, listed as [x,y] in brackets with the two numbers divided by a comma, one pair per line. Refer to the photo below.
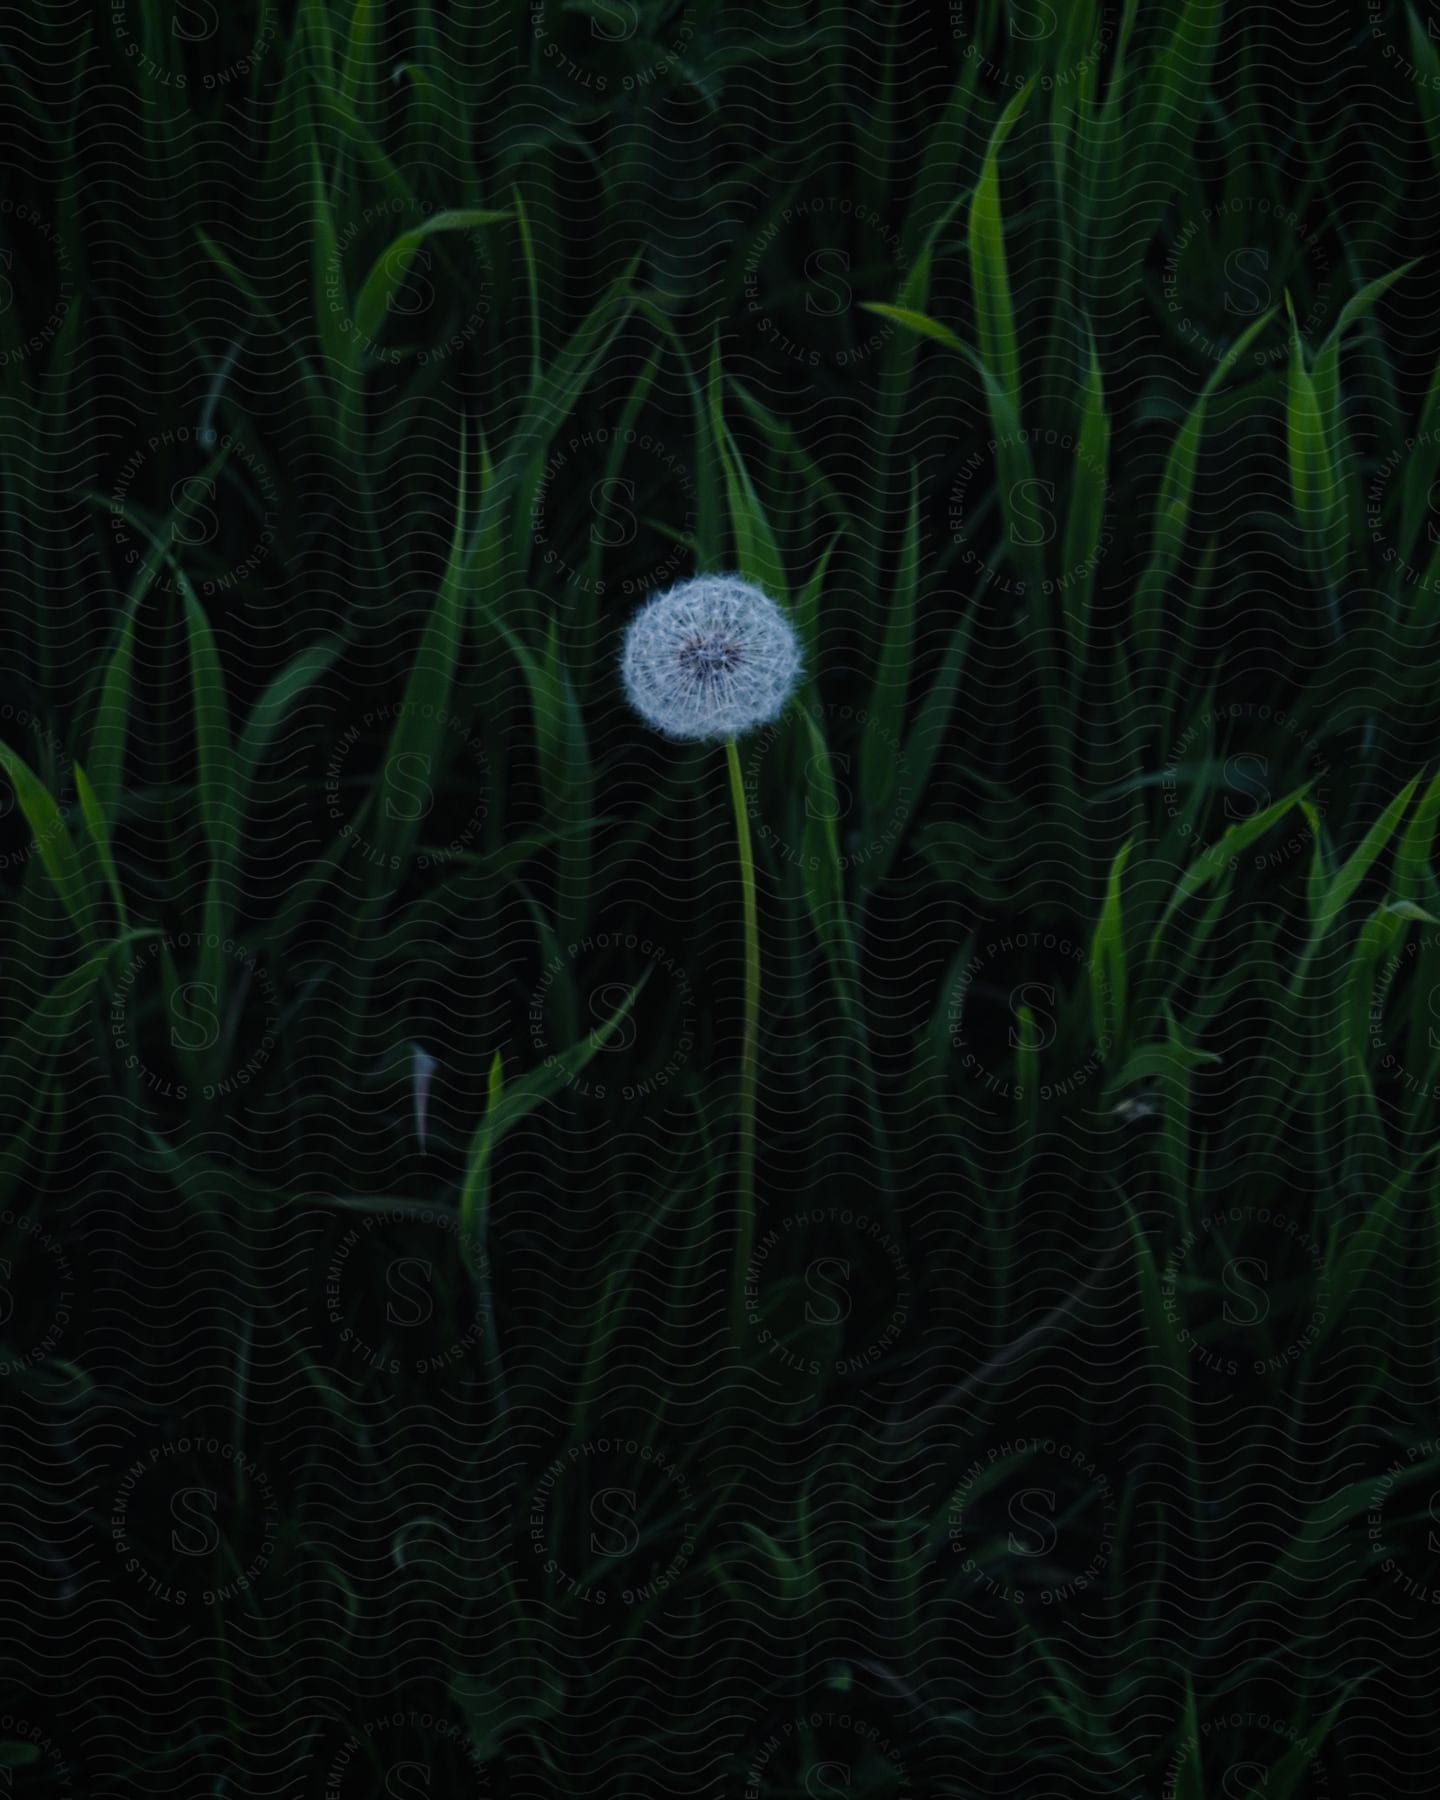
[372,981]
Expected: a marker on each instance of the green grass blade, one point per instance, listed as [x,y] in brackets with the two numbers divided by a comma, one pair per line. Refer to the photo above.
[885,728]
[509,1103]
[1312,470]
[989,275]
[52,841]
[389,270]
[96,824]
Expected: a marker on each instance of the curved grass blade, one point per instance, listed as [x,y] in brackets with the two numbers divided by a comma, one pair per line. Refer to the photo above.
[389,270]
[53,841]
[989,275]
[508,1105]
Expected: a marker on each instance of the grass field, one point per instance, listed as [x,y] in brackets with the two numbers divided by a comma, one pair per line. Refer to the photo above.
[413,1376]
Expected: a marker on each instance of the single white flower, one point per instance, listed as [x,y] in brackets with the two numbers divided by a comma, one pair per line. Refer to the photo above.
[709,659]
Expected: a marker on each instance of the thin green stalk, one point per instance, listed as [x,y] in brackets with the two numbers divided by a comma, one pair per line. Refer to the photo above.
[749,1045]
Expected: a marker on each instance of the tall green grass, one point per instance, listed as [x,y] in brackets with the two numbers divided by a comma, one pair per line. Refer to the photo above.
[376,1035]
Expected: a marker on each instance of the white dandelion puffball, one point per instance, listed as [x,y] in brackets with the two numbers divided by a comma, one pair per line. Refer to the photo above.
[709,659]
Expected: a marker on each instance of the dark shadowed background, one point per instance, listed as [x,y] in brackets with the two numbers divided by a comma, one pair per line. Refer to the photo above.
[377,1414]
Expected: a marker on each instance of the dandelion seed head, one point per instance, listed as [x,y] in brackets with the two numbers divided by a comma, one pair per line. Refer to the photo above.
[709,659]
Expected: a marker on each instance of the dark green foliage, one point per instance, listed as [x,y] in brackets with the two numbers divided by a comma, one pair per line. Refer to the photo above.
[375,1407]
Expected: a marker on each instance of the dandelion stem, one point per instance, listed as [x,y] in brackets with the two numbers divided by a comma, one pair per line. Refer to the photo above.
[749,1045]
